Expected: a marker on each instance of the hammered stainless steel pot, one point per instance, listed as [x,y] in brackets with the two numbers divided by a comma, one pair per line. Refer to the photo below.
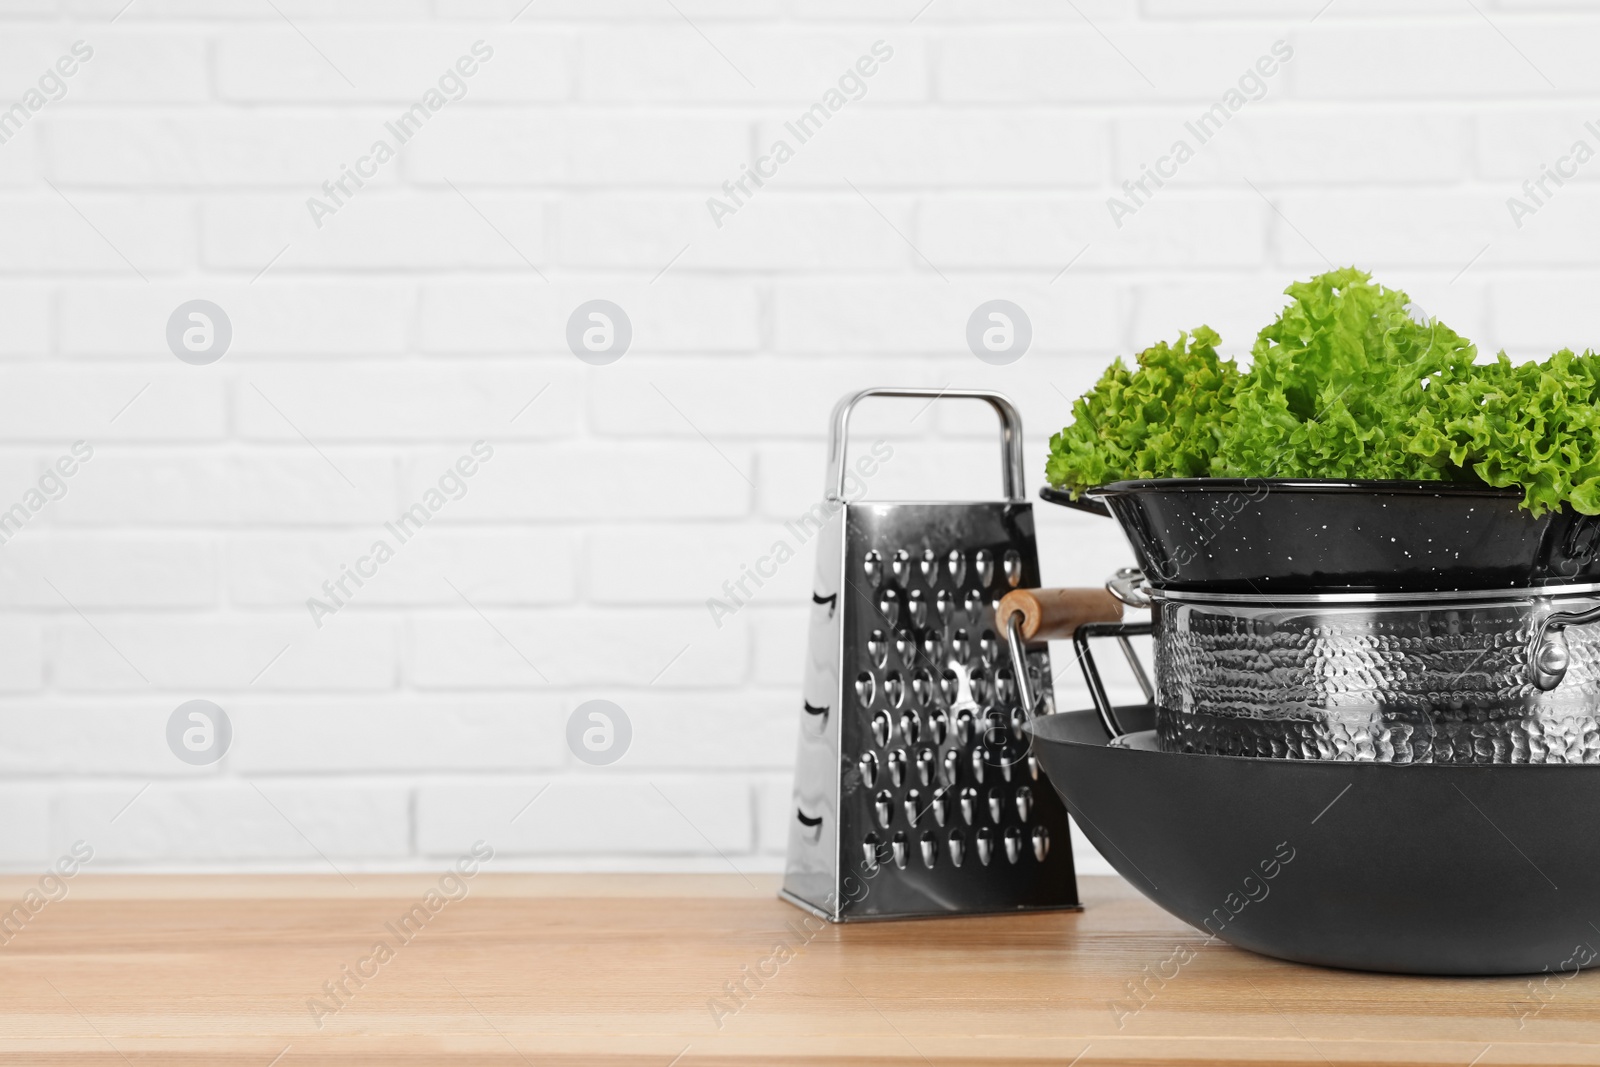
[1491,677]
[1448,681]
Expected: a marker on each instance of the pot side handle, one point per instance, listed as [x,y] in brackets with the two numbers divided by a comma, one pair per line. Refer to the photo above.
[1055,614]
[1048,614]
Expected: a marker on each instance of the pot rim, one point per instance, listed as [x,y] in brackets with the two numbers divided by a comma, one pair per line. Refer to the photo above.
[1328,766]
[1373,486]
[1509,596]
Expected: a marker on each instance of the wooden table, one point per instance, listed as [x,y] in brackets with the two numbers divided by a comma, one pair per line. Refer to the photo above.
[628,969]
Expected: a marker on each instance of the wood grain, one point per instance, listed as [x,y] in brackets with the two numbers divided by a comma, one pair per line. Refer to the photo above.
[1056,614]
[624,969]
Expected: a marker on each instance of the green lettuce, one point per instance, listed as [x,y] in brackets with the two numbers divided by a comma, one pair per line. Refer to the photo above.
[1531,425]
[1163,419]
[1345,383]
[1334,382]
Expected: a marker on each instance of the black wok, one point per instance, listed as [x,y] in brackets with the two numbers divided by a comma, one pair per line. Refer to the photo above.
[1425,869]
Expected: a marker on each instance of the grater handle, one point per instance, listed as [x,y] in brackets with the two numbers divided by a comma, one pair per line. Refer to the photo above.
[1010,434]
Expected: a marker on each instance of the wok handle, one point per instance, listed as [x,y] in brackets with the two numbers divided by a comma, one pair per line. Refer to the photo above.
[1010,434]
[1048,614]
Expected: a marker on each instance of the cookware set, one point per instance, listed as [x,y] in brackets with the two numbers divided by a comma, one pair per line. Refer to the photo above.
[1365,743]
[1383,693]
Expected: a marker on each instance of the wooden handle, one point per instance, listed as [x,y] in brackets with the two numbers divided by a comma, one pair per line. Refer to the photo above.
[1053,614]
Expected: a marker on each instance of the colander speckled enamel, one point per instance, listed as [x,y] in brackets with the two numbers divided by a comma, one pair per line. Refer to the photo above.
[1374,683]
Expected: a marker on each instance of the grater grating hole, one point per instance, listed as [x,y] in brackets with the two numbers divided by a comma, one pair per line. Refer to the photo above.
[882,729]
[894,689]
[956,565]
[997,805]
[958,848]
[1024,801]
[872,567]
[983,564]
[917,608]
[969,805]
[878,648]
[897,767]
[1013,567]
[869,769]
[910,728]
[889,606]
[900,566]
[865,687]
[905,644]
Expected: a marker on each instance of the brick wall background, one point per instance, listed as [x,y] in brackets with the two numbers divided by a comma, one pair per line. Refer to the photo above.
[429,311]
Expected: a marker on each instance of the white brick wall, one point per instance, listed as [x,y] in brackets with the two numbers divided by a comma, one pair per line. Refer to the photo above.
[425,314]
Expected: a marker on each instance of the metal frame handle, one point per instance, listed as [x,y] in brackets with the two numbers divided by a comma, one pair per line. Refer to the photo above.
[1091,673]
[1129,586]
[1019,664]
[1548,654]
[1012,479]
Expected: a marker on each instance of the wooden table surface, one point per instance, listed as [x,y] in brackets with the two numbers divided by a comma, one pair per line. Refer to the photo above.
[630,969]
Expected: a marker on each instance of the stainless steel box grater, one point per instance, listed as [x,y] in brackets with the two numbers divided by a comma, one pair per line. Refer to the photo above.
[915,790]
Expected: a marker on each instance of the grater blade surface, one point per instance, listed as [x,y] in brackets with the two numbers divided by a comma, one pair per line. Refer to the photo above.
[915,791]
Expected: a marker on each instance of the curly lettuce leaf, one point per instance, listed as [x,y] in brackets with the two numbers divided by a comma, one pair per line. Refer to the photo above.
[1162,419]
[1334,383]
[1531,425]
